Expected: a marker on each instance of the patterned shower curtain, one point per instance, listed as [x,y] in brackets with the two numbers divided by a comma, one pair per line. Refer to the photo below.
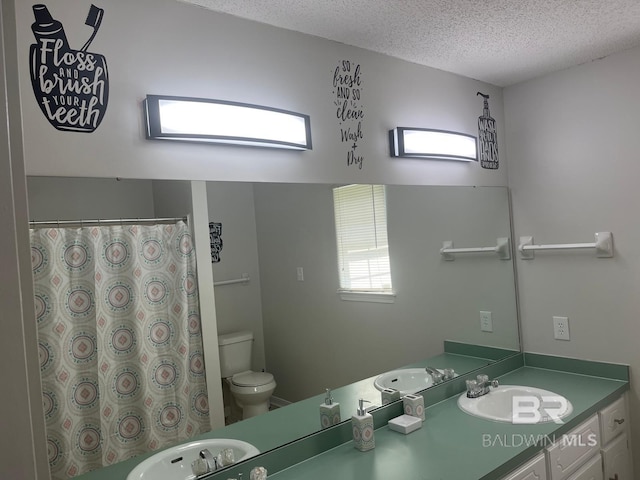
[120,343]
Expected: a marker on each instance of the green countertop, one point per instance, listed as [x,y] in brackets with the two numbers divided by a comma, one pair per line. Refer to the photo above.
[452,445]
[284,425]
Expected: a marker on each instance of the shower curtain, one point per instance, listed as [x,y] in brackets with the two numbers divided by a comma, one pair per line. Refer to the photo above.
[120,344]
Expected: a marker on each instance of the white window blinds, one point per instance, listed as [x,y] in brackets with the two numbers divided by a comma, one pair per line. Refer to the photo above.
[361,228]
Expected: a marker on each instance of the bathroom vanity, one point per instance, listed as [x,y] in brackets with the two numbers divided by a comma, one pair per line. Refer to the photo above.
[591,444]
[596,449]
[452,444]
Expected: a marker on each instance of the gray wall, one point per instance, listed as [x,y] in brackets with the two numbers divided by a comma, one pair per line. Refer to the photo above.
[574,170]
[62,198]
[315,340]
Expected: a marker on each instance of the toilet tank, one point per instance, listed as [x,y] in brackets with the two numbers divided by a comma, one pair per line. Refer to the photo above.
[235,353]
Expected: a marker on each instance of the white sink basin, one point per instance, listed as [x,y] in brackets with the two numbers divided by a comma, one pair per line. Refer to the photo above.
[517,404]
[175,463]
[405,380]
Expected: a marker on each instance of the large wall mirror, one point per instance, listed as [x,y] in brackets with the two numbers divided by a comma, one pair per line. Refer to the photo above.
[282,238]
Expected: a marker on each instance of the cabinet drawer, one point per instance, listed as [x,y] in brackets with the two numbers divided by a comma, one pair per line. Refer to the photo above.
[617,460]
[592,470]
[613,420]
[568,453]
[535,469]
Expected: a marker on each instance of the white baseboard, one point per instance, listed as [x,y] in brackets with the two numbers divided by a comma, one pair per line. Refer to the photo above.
[279,402]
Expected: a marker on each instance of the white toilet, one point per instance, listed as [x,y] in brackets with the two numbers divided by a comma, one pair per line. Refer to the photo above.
[250,390]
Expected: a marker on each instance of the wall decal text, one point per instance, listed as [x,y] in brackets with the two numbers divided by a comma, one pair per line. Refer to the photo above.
[487,137]
[347,91]
[215,240]
[71,86]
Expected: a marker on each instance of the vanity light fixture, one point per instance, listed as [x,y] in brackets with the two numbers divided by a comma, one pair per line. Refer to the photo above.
[433,144]
[219,121]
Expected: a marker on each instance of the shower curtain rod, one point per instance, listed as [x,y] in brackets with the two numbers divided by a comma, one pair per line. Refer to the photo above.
[98,222]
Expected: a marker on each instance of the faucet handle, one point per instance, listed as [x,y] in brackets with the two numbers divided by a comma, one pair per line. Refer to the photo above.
[225,457]
[448,373]
[483,378]
[471,385]
[200,467]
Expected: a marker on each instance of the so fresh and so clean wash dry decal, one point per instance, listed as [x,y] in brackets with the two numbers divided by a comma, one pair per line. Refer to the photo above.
[70,86]
[347,98]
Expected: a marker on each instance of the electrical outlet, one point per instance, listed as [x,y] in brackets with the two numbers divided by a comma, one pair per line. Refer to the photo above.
[300,274]
[486,323]
[561,328]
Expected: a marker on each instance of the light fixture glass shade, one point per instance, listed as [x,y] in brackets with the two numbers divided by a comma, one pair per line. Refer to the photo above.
[429,143]
[218,121]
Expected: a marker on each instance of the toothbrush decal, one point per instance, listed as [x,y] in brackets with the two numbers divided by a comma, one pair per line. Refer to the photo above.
[70,86]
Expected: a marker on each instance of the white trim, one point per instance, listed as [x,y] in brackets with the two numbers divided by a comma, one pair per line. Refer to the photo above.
[279,402]
[362,296]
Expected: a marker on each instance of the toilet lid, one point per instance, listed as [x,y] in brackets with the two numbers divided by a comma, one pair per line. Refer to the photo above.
[252,379]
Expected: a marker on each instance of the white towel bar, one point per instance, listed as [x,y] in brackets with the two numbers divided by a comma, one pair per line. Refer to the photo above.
[245,279]
[603,246]
[502,248]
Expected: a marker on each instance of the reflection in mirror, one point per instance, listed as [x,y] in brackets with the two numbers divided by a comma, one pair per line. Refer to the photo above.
[282,236]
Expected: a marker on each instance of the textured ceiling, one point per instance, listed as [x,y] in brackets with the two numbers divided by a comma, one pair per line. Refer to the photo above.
[499,42]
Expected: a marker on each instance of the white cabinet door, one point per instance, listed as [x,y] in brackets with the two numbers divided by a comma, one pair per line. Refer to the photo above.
[535,469]
[592,470]
[567,454]
[617,461]
[613,420]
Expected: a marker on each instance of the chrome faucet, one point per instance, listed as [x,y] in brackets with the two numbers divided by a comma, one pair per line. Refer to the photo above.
[481,386]
[436,375]
[212,462]
[440,376]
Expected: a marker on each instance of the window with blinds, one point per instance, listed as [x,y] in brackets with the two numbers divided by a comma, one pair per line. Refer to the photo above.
[363,248]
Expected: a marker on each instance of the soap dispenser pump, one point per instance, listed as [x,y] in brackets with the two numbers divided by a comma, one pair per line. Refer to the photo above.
[329,411]
[362,427]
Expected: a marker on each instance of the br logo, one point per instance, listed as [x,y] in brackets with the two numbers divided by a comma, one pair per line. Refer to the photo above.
[530,409]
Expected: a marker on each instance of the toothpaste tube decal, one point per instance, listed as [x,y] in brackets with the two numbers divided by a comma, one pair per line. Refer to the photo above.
[70,86]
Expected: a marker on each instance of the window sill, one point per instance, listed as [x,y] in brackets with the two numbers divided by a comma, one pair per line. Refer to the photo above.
[371,297]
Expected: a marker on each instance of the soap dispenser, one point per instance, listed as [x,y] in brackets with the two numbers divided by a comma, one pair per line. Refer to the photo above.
[329,411]
[362,427]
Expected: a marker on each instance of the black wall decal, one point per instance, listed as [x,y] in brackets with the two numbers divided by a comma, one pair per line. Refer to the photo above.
[215,239]
[71,86]
[487,137]
[347,91]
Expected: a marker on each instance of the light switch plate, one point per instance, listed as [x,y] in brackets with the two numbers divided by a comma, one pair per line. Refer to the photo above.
[486,322]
